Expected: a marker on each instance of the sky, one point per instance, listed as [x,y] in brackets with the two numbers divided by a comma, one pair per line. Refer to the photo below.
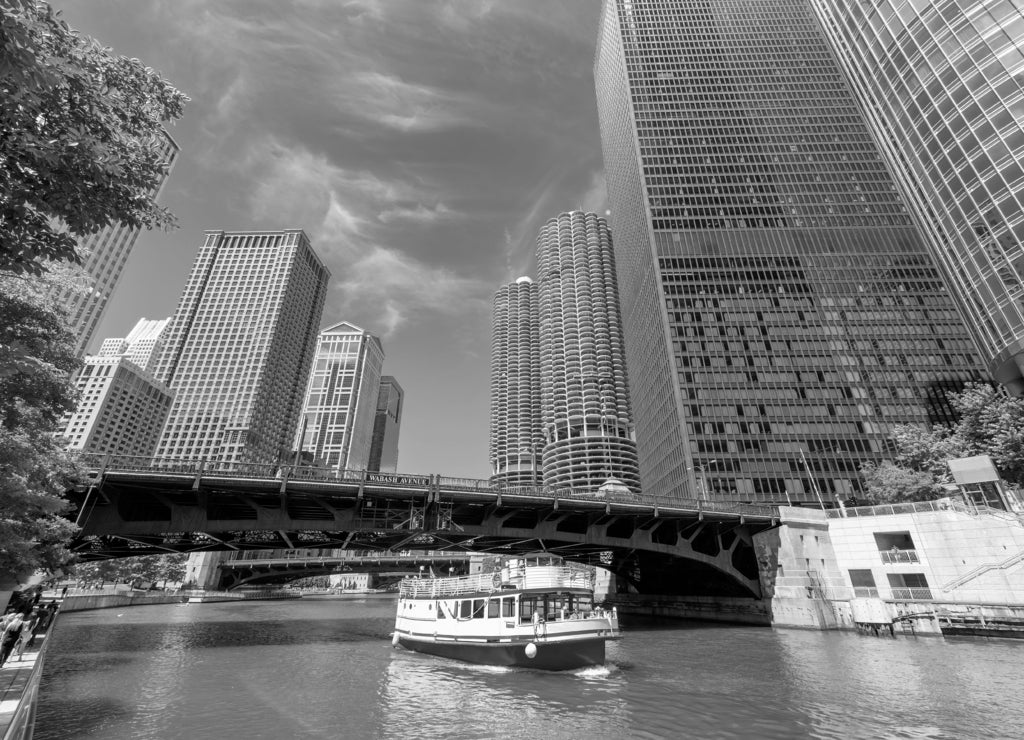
[420,143]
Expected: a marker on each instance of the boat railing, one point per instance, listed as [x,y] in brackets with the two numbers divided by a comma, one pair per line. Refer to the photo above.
[570,575]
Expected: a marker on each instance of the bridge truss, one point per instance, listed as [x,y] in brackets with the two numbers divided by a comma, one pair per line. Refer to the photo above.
[140,507]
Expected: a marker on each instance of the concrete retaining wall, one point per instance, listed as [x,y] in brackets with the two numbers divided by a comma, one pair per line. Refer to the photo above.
[84,602]
[708,608]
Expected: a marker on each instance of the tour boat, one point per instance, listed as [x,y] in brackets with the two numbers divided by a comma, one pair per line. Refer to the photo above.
[532,610]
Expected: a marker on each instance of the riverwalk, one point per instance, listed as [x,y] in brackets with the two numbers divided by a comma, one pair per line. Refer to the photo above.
[19,684]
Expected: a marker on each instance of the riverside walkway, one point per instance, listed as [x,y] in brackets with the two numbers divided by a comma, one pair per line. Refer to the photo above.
[19,689]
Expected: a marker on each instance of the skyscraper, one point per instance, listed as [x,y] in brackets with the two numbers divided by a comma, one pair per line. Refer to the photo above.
[121,408]
[780,308]
[142,345]
[387,424]
[585,410]
[942,84]
[336,428]
[559,396]
[516,439]
[104,256]
[238,348]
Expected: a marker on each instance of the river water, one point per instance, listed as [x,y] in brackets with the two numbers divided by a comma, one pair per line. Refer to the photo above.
[325,668]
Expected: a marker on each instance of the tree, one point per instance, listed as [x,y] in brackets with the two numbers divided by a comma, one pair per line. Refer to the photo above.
[80,136]
[80,149]
[150,568]
[990,422]
[887,483]
[36,361]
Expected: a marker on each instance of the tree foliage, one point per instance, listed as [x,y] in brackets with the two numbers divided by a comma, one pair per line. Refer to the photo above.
[81,143]
[36,360]
[168,568]
[80,138]
[990,422]
[887,483]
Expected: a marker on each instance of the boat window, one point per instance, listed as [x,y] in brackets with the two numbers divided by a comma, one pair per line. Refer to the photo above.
[478,608]
[528,605]
[466,609]
[508,607]
[493,607]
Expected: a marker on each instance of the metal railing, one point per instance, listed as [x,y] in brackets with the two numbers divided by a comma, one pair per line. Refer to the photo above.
[895,557]
[942,504]
[204,468]
[23,720]
[568,575]
[911,594]
[982,569]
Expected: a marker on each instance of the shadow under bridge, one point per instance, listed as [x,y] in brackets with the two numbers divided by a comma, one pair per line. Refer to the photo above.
[272,567]
[139,506]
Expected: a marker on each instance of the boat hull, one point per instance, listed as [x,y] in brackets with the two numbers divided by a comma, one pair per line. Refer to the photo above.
[550,656]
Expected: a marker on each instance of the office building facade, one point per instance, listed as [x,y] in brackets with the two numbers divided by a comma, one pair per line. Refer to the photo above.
[121,408]
[340,406]
[141,346]
[387,424]
[239,347]
[104,255]
[516,439]
[781,310]
[942,85]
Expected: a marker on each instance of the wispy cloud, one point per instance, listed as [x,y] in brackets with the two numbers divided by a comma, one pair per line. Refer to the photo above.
[389,100]
[419,213]
[336,206]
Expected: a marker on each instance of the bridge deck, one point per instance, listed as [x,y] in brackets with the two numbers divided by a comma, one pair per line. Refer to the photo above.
[142,506]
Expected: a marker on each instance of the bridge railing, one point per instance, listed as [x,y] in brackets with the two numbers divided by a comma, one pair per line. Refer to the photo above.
[124,463]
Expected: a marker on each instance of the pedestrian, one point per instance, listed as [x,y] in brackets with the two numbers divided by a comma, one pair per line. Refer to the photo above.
[28,632]
[64,591]
[10,636]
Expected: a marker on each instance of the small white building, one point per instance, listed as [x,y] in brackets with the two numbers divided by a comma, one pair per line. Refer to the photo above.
[941,551]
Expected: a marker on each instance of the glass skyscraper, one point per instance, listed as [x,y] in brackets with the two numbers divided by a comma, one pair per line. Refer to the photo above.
[104,255]
[386,426]
[781,310]
[238,348]
[942,83]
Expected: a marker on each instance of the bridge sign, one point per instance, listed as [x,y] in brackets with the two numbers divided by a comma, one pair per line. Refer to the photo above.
[401,480]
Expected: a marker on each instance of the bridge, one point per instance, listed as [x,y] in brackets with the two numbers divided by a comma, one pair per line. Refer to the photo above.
[254,567]
[141,506]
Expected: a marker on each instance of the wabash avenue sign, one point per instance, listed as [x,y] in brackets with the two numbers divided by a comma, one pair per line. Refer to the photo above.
[399,480]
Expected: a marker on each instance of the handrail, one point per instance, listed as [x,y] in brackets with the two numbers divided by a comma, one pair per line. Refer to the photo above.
[107,464]
[567,575]
[895,557]
[942,504]
[982,569]
[22,724]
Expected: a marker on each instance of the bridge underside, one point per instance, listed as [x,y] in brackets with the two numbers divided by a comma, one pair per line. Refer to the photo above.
[666,551]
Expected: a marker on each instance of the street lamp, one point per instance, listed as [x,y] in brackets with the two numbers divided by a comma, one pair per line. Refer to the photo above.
[814,482]
[703,479]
